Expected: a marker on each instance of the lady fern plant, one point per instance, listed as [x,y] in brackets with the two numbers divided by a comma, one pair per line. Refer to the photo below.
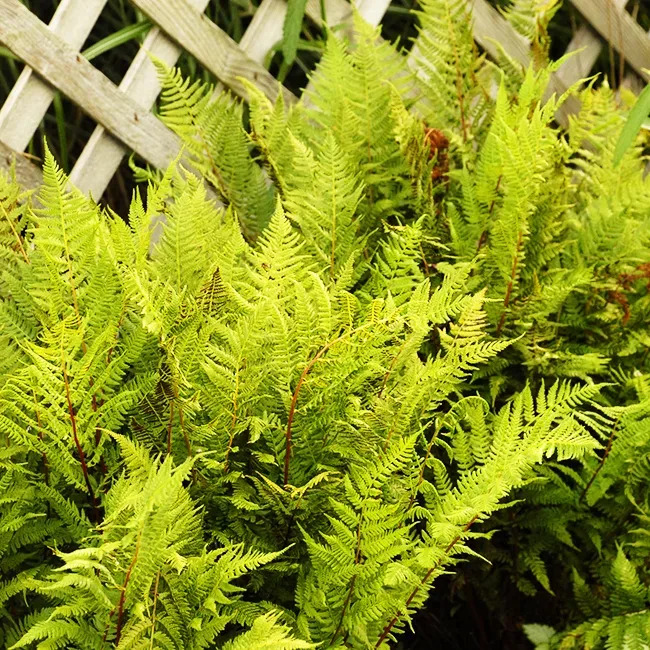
[277,419]
[176,423]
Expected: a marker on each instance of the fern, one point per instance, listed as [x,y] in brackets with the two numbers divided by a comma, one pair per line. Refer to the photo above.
[449,70]
[622,621]
[410,336]
[217,143]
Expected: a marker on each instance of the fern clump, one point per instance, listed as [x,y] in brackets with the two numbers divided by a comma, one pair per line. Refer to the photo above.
[334,351]
[205,408]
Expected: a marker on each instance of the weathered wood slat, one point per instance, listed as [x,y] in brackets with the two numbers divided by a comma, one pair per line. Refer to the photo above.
[124,118]
[211,46]
[372,12]
[27,173]
[265,30]
[620,29]
[336,11]
[30,97]
[266,26]
[103,152]
[636,84]
[492,32]
[587,46]
[492,29]
[63,67]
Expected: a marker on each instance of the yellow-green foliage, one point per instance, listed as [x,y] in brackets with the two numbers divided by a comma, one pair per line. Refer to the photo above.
[277,419]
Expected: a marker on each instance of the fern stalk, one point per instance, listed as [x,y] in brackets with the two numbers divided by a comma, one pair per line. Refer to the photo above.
[125,584]
[427,576]
[75,436]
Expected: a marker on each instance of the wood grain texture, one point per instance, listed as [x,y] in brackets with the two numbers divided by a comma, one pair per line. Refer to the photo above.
[103,152]
[63,67]
[491,29]
[27,173]
[336,11]
[30,97]
[492,32]
[372,10]
[340,12]
[184,22]
[636,85]
[265,30]
[587,45]
[211,46]
[620,30]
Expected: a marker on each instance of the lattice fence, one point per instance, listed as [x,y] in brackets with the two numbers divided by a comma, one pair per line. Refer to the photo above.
[123,114]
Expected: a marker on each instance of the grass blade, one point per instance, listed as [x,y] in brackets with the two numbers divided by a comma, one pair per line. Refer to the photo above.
[116,39]
[292,28]
[635,120]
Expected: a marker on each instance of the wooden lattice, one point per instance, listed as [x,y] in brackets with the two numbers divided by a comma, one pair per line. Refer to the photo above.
[123,113]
